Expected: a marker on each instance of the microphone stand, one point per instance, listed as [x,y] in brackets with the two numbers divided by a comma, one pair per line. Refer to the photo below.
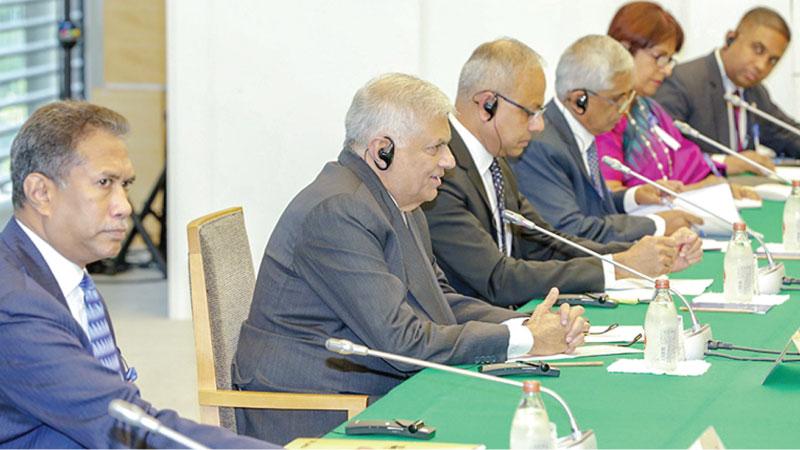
[695,339]
[578,438]
[770,278]
[136,417]
[735,100]
[686,129]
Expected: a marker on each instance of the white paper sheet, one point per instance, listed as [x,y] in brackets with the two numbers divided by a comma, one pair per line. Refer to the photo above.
[685,286]
[583,352]
[761,299]
[777,249]
[717,198]
[747,203]
[788,172]
[684,369]
[623,333]
[773,191]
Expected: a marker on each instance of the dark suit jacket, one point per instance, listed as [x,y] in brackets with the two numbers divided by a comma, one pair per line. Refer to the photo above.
[694,94]
[53,392]
[552,176]
[464,241]
[342,262]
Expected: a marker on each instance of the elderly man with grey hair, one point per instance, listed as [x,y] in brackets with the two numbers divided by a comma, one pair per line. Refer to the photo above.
[498,110]
[351,258]
[559,172]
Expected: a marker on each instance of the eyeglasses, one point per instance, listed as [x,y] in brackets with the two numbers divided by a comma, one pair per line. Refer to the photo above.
[622,101]
[531,113]
[663,60]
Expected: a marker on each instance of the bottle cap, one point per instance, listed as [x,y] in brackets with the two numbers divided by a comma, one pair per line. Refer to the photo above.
[795,183]
[531,386]
[662,283]
[739,226]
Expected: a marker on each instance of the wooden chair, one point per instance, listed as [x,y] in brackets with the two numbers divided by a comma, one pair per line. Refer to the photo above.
[222,280]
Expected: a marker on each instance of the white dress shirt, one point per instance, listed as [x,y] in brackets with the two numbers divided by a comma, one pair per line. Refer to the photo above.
[68,275]
[585,139]
[731,88]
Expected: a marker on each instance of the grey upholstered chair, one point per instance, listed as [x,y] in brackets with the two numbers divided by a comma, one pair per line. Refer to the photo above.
[222,280]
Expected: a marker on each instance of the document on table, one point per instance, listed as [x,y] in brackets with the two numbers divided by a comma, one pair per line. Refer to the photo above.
[778,251]
[717,198]
[760,304]
[747,203]
[636,289]
[583,352]
[714,244]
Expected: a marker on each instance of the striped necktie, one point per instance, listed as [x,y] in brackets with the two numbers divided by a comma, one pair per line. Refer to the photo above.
[594,169]
[99,331]
[499,189]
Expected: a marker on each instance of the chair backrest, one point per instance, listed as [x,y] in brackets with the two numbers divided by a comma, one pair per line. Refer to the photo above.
[222,281]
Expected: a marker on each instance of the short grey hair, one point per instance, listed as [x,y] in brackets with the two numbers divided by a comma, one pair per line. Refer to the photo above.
[394,105]
[497,66]
[47,141]
[592,62]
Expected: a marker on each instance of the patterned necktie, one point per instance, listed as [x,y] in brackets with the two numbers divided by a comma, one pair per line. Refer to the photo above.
[499,189]
[103,346]
[594,169]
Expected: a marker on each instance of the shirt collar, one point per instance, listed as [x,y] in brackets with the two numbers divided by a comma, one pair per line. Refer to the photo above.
[583,137]
[68,275]
[482,158]
[727,84]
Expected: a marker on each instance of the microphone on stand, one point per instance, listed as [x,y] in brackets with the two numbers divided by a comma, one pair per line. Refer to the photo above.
[578,438]
[695,339]
[136,417]
[737,101]
[771,278]
[686,129]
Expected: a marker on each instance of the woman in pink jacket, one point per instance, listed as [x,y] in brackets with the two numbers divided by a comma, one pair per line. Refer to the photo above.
[645,139]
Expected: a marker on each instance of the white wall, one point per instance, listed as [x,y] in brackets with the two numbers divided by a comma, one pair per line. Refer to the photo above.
[258,89]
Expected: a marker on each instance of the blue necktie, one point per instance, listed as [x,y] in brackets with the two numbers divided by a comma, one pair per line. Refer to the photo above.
[594,169]
[103,346]
[499,189]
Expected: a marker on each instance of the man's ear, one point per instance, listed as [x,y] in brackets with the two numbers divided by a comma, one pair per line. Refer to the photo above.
[487,105]
[730,36]
[39,190]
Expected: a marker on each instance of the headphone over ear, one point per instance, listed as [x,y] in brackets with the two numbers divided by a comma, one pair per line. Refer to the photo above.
[730,38]
[582,102]
[386,154]
[491,107]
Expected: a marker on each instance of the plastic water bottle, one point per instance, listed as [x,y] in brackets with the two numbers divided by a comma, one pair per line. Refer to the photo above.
[739,267]
[791,219]
[531,426]
[662,330]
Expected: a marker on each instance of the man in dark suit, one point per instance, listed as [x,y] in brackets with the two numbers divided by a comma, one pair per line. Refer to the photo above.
[59,363]
[695,91]
[559,171]
[351,258]
[498,107]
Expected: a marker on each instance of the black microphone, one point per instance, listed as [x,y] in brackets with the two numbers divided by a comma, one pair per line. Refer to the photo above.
[771,279]
[686,129]
[695,339]
[136,417]
[735,100]
[578,438]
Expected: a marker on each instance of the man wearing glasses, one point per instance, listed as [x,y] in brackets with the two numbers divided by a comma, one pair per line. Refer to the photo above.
[695,91]
[498,108]
[560,171]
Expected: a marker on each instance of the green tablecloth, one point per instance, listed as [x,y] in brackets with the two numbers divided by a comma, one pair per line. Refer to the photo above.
[633,410]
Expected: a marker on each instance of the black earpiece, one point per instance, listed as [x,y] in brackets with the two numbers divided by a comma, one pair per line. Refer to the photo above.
[582,102]
[729,39]
[386,154]
[491,107]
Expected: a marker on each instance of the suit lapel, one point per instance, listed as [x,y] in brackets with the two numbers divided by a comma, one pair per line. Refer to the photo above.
[31,260]
[464,160]
[714,95]
[420,278]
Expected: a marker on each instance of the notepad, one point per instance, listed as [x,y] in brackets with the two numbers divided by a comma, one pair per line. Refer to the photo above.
[583,352]
[684,369]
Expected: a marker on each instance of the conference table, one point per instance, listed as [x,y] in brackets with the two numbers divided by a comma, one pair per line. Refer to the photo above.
[635,410]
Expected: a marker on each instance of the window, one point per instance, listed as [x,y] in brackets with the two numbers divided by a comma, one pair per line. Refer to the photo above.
[31,65]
